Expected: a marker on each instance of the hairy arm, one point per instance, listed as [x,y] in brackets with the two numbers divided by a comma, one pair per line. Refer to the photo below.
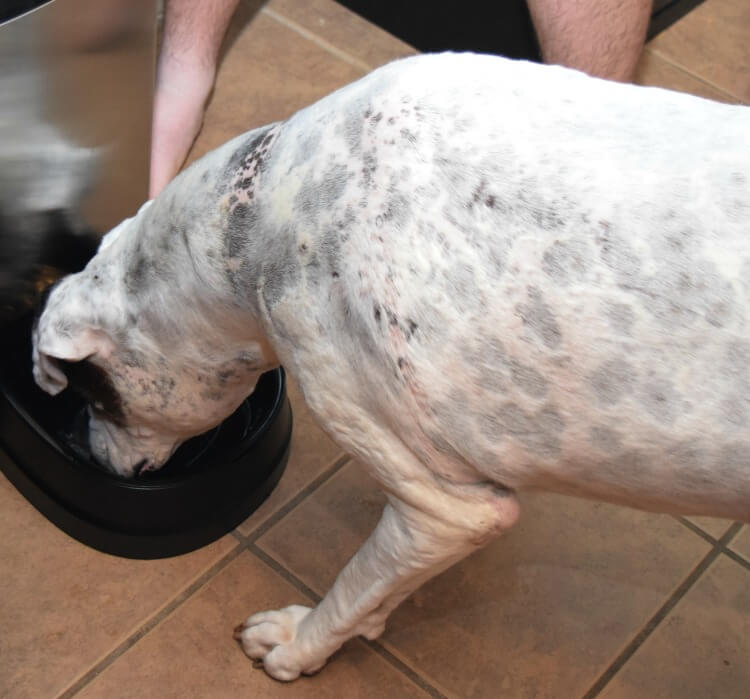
[193,33]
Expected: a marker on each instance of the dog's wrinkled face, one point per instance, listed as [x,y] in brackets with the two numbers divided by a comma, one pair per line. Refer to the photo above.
[147,389]
[142,402]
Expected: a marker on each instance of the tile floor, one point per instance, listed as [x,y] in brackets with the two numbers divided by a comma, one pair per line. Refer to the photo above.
[580,600]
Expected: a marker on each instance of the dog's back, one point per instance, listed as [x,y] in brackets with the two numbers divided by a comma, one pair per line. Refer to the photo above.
[543,277]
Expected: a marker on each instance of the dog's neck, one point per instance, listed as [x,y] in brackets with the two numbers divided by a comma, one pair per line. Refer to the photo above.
[174,293]
[193,267]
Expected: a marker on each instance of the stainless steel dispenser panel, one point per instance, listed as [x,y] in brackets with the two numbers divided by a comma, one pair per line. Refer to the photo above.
[76,92]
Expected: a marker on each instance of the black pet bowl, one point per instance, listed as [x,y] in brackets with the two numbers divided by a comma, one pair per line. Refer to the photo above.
[208,487]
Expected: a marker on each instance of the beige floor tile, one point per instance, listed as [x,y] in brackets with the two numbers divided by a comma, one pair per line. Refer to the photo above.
[342,28]
[701,649]
[656,71]
[711,41]
[192,653]
[325,530]
[268,73]
[741,543]
[311,453]
[540,612]
[64,606]
[712,526]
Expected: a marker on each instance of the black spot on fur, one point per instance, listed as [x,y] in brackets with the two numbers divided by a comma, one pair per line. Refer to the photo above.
[538,432]
[538,316]
[660,399]
[613,380]
[621,316]
[241,219]
[605,439]
[566,261]
[93,384]
[397,210]
[528,379]
[619,256]
[267,139]
[278,273]
[243,157]
[369,165]
[137,273]
[314,196]
[408,136]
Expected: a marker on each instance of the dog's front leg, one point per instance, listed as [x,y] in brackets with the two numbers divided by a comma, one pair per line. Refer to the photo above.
[407,548]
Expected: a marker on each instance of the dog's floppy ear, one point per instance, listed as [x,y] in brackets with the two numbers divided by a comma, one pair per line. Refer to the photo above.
[72,341]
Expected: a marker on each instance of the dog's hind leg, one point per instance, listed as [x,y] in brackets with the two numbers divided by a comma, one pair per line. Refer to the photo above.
[424,529]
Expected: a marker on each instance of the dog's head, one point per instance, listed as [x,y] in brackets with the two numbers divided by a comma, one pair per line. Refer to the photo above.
[155,368]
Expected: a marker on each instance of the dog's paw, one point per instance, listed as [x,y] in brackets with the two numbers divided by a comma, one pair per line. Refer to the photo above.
[271,637]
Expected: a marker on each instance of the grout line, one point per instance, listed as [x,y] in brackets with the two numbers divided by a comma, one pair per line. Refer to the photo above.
[606,677]
[697,530]
[151,623]
[737,558]
[725,540]
[280,570]
[695,76]
[319,40]
[733,530]
[288,506]
[402,667]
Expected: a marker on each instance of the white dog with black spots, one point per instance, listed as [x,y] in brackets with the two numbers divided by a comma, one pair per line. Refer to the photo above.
[485,276]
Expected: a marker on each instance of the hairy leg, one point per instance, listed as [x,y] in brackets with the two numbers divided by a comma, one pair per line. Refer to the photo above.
[599,37]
